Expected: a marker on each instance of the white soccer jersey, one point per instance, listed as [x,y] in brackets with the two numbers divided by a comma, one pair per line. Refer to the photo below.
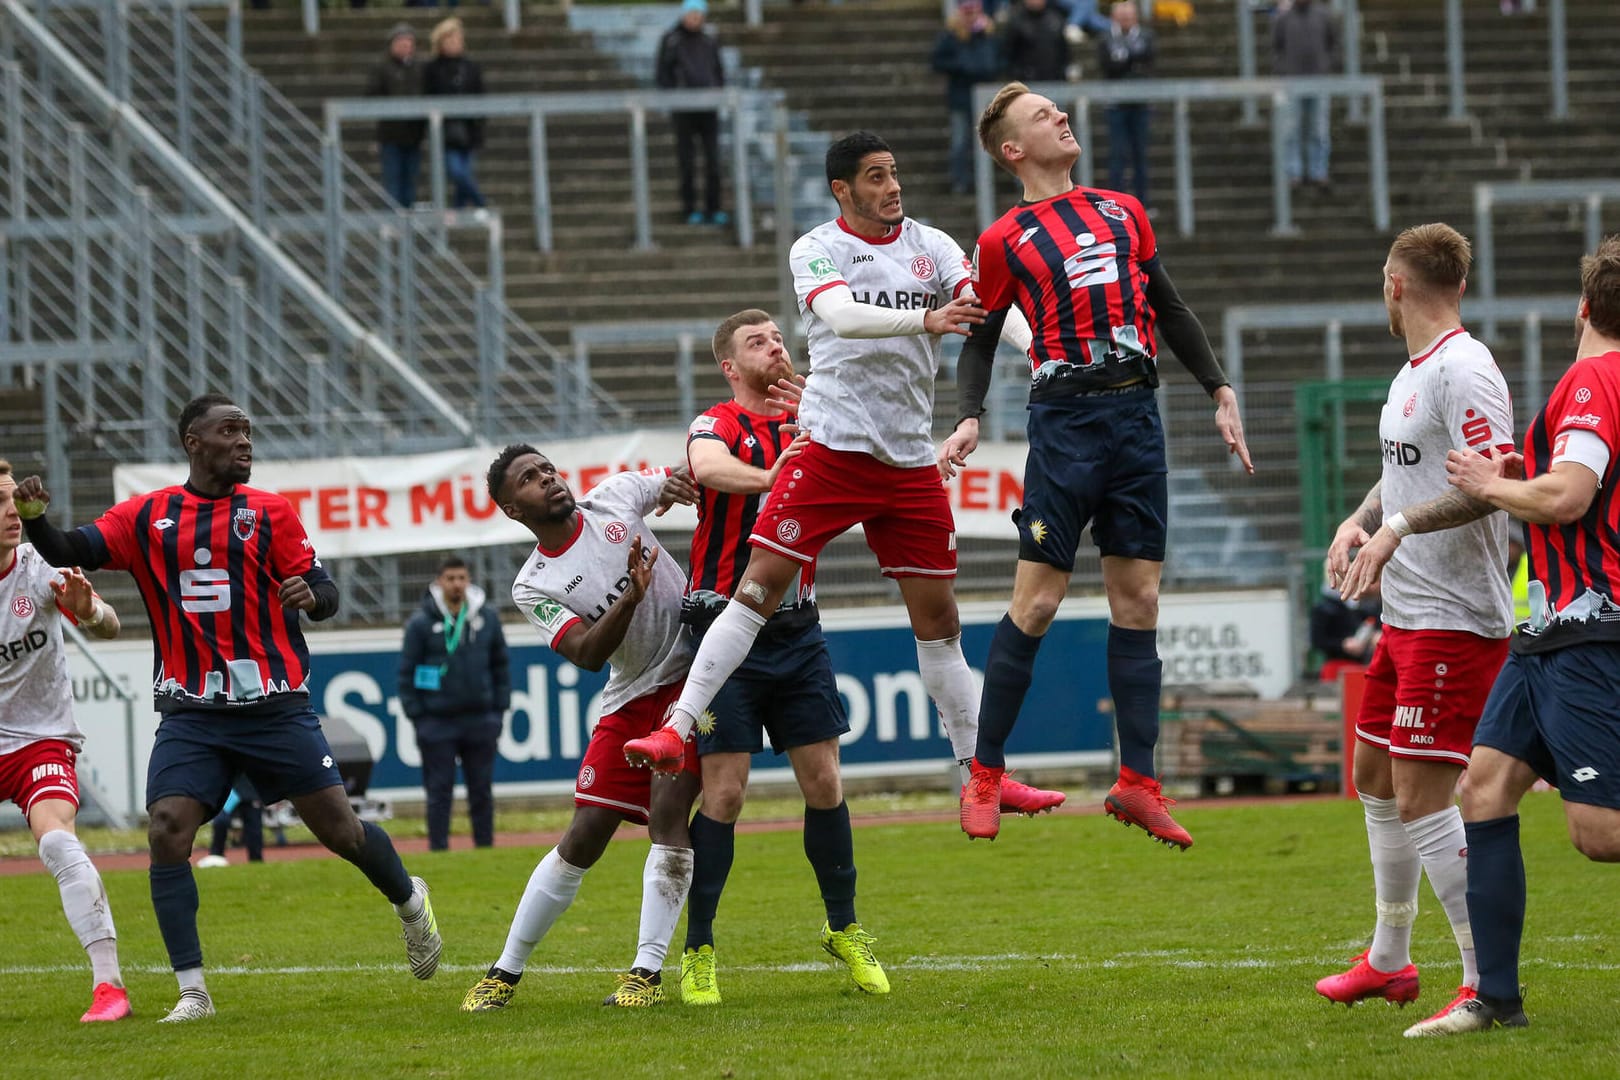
[36,700]
[556,589]
[1451,396]
[875,395]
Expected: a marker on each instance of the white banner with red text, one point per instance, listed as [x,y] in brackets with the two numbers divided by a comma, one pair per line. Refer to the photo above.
[429,502]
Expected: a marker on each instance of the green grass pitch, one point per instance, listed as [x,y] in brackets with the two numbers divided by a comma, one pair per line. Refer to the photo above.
[1070,947]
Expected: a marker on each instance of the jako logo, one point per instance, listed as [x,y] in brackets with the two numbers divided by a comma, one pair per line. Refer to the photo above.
[861,258]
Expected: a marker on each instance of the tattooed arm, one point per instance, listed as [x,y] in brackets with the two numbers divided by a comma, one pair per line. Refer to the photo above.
[1353,532]
[1445,511]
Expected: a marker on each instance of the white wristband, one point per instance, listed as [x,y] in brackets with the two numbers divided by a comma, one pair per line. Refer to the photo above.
[1397,525]
[99,616]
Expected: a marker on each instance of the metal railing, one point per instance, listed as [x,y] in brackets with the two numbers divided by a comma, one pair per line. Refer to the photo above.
[454,332]
[1244,12]
[1284,94]
[1334,318]
[741,105]
[1557,60]
[1487,196]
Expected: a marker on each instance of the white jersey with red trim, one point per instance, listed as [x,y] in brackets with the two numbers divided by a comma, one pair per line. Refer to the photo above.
[36,699]
[578,583]
[1451,396]
[875,395]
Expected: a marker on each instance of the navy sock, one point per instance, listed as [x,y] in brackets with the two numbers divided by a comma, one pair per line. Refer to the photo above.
[378,860]
[1496,903]
[830,847]
[1135,679]
[1008,671]
[713,845]
[174,900]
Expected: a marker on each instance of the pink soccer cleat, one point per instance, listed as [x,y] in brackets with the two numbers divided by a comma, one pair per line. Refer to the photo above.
[109,1003]
[662,751]
[1364,981]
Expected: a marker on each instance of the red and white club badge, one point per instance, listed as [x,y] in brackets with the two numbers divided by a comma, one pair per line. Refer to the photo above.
[923,267]
[1411,404]
[22,607]
[587,776]
[787,531]
[616,532]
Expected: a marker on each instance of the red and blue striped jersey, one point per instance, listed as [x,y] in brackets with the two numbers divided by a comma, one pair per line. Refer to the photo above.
[209,572]
[720,547]
[1570,560]
[1077,267]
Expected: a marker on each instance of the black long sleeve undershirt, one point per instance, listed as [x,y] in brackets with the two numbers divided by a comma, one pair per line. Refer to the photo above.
[60,548]
[1181,328]
[326,599]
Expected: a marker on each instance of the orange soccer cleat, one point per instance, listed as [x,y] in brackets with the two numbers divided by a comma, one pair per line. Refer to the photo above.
[1138,800]
[981,802]
[662,751]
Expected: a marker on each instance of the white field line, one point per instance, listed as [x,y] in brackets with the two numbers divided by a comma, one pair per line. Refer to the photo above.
[1168,958]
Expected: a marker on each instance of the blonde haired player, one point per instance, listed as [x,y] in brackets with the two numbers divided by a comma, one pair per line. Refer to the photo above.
[39,739]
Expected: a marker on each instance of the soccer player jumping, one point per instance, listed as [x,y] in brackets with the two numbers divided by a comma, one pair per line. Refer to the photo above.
[1083,267]
[39,740]
[877,289]
[224,570]
[1442,560]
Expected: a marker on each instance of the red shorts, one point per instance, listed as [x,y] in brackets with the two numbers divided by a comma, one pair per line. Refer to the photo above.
[41,770]
[905,512]
[605,778]
[1426,690]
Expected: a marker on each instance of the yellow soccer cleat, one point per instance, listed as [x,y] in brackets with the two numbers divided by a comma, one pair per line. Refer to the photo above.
[699,986]
[637,990]
[852,947]
[488,993]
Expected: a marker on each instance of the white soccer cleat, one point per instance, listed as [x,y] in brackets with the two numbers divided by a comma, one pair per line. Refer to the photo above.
[210,862]
[422,941]
[193,1005]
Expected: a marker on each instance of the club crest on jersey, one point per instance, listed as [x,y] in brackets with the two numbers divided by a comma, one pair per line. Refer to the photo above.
[587,776]
[616,532]
[922,267]
[788,531]
[1411,405]
[1110,209]
[22,607]
[245,523]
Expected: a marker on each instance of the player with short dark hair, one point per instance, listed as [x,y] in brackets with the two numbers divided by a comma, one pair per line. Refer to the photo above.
[40,743]
[601,596]
[224,571]
[1438,558]
[876,289]
[785,687]
[1083,266]
[1551,712]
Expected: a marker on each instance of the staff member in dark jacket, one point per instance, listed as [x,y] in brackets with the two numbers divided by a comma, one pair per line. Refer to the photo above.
[450,72]
[1128,51]
[455,686]
[689,58]
[399,142]
[1033,42]
[966,52]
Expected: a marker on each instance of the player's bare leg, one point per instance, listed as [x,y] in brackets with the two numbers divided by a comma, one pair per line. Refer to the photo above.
[174,822]
[84,902]
[725,645]
[332,819]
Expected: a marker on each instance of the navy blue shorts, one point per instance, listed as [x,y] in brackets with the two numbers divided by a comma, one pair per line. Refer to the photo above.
[280,750]
[1555,712]
[784,688]
[1097,460]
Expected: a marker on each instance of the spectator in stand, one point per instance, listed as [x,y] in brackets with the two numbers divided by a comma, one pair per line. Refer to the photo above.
[1128,51]
[1033,43]
[965,53]
[1305,42]
[399,142]
[450,72]
[1344,634]
[1085,20]
[455,686]
[689,59]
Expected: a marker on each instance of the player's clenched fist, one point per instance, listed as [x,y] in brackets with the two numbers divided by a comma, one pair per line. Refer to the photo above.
[31,498]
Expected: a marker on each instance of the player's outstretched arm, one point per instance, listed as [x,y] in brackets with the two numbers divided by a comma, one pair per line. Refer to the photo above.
[93,614]
[591,647]
[849,318]
[1559,496]
[716,468]
[57,547]
[677,488]
[1186,338]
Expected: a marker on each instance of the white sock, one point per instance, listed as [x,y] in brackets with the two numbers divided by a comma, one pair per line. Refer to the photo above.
[1396,873]
[551,888]
[949,682]
[725,646]
[191,979]
[664,883]
[1443,846]
[412,907]
[84,901]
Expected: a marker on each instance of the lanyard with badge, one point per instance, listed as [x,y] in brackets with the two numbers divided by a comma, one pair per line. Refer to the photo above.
[429,676]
